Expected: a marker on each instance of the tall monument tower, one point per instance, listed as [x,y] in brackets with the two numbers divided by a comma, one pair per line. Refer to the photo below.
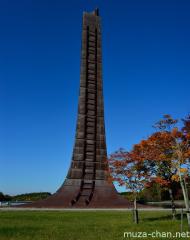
[89,155]
[86,183]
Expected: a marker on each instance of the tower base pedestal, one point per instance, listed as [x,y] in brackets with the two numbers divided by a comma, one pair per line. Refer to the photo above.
[104,196]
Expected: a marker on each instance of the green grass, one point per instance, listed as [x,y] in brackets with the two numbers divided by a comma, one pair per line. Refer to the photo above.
[65,225]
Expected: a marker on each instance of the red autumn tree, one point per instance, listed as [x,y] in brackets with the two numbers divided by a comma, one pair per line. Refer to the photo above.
[128,172]
[170,145]
[151,150]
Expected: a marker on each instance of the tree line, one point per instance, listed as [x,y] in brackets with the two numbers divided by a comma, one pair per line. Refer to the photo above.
[25,197]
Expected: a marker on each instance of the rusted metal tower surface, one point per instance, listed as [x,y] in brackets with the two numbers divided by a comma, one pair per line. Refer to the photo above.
[86,184]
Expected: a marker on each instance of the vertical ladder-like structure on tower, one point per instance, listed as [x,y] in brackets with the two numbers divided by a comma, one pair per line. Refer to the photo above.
[88,109]
[89,154]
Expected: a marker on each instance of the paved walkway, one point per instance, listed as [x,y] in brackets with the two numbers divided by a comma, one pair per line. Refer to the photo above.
[83,209]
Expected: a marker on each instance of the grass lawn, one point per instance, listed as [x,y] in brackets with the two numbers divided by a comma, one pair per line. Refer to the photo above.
[66,225]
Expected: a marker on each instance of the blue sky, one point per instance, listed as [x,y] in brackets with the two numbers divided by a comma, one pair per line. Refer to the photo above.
[146,73]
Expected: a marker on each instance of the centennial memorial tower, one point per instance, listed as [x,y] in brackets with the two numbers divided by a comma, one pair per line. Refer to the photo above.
[86,184]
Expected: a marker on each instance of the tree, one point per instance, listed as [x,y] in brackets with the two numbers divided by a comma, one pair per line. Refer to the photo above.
[165,180]
[172,146]
[4,197]
[128,172]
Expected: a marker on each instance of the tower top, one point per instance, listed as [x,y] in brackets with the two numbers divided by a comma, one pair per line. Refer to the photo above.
[96,12]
